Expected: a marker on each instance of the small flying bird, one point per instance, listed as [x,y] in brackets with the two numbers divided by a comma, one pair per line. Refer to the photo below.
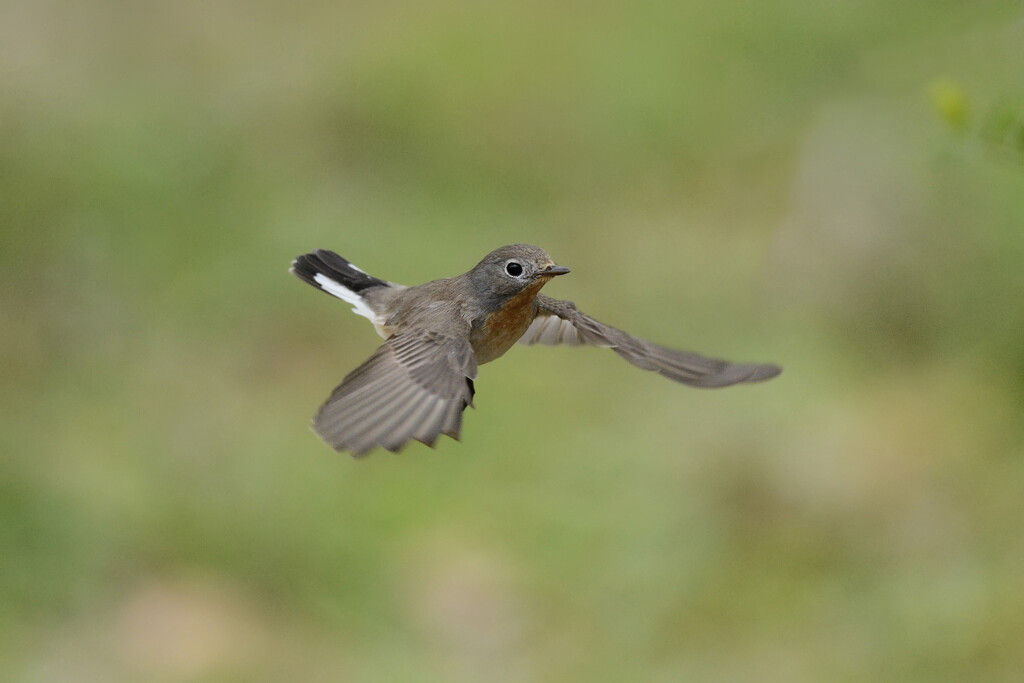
[418,382]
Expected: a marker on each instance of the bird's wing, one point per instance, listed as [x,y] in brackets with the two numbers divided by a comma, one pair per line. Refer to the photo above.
[414,386]
[559,322]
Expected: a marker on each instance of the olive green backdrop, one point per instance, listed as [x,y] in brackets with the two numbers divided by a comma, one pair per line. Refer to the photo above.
[836,187]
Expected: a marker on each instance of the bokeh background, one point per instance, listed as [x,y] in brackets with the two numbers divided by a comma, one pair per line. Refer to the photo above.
[836,187]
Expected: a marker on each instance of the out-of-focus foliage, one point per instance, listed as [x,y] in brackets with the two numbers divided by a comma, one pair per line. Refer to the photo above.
[1001,129]
[952,104]
[807,183]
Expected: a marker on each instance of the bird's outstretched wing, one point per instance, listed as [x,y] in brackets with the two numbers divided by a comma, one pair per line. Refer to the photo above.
[414,386]
[559,322]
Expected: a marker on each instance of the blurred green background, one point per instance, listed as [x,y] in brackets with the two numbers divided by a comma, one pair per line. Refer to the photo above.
[836,187]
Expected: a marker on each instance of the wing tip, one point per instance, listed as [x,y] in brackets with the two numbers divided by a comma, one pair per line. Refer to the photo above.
[360,451]
[764,372]
[737,373]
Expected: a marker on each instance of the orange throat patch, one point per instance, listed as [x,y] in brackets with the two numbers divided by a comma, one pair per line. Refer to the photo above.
[503,328]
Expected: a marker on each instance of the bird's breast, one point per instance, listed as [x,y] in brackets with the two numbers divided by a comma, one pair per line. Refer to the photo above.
[500,330]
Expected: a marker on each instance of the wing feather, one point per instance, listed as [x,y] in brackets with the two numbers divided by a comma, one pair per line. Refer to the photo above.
[414,386]
[560,322]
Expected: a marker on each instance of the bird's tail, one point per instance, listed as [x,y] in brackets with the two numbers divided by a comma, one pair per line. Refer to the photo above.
[328,272]
[334,275]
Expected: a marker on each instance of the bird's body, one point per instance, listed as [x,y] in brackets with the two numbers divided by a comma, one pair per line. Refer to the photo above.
[416,385]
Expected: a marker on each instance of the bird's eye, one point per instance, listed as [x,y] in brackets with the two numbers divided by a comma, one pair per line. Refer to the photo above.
[514,269]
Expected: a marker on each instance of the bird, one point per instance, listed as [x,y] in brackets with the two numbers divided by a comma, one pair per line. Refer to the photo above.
[417,384]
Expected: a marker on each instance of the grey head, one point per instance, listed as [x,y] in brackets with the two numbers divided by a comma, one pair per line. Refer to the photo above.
[510,270]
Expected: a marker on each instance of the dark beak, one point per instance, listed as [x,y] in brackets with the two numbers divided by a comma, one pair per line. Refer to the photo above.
[551,271]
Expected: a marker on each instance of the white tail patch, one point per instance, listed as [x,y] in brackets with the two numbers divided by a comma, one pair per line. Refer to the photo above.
[337,289]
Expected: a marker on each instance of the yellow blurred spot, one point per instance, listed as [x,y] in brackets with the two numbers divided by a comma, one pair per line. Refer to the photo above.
[951,103]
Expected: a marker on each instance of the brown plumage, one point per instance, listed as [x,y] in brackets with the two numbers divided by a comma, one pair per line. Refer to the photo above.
[417,384]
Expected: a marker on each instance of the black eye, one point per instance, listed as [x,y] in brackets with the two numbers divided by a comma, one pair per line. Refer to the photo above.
[514,269]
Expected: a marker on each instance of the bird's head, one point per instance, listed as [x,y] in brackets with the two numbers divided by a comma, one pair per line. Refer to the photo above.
[513,269]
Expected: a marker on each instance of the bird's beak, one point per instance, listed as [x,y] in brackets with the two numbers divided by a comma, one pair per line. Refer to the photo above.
[551,271]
